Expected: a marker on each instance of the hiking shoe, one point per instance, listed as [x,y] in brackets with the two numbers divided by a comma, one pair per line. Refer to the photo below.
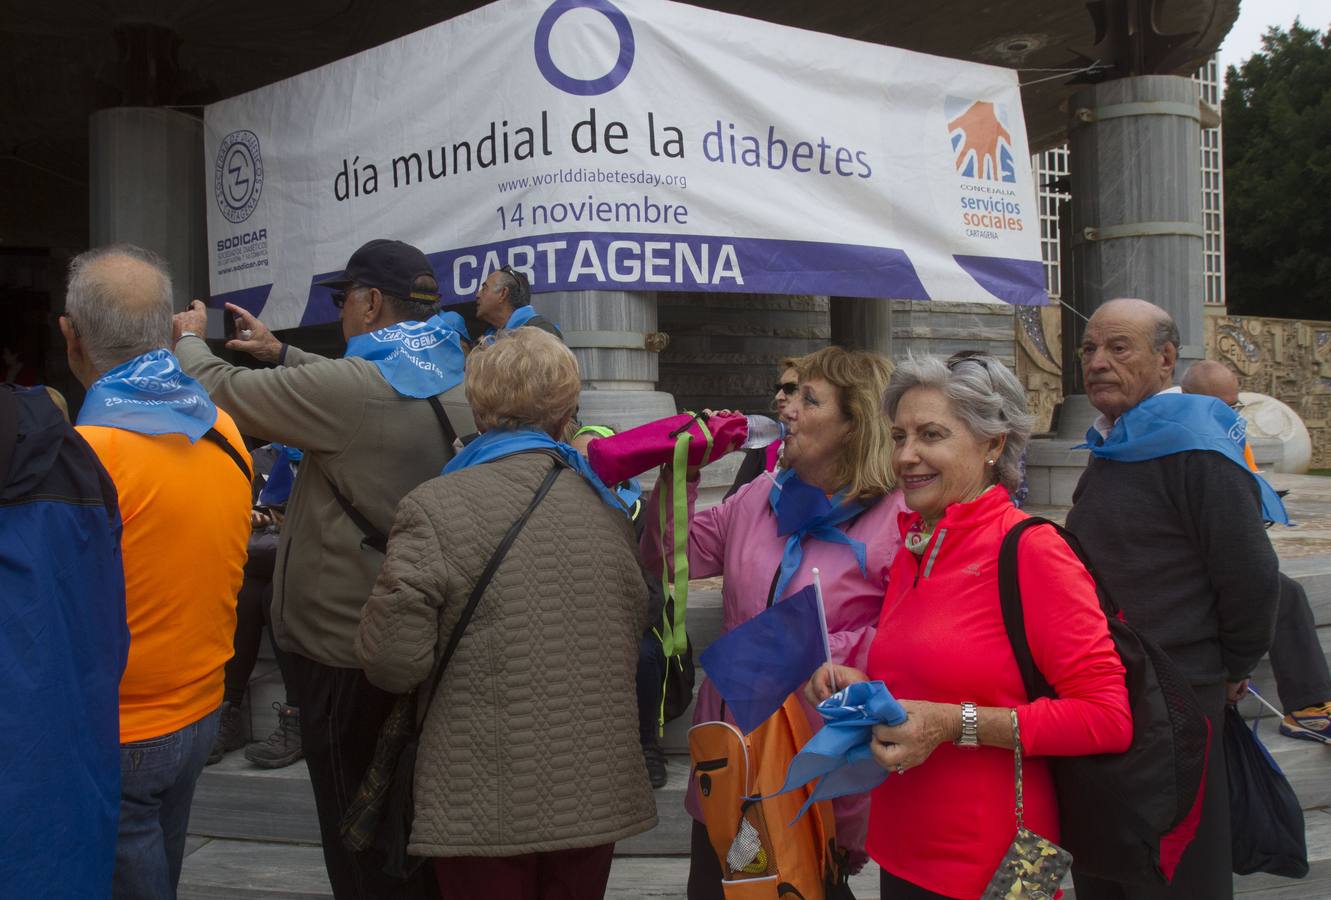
[1315,718]
[230,733]
[283,746]
[655,758]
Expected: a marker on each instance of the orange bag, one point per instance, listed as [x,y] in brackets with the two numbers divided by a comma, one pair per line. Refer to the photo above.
[762,855]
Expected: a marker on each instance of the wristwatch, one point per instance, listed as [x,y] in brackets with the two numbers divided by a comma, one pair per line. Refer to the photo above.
[970,725]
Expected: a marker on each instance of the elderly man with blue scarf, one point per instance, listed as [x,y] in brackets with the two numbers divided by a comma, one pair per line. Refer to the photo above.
[373,425]
[1173,520]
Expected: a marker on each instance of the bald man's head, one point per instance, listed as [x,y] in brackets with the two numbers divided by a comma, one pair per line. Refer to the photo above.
[117,305]
[1213,379]
[1127,354]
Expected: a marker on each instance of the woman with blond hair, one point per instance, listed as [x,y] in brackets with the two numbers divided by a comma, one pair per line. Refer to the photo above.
[529,767]
[837,452]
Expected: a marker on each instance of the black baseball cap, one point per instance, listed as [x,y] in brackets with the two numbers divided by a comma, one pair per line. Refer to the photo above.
[390,266]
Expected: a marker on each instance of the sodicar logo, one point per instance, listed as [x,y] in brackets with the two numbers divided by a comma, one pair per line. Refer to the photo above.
[238,175]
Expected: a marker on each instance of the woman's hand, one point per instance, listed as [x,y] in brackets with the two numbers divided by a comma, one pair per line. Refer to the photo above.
[901,747]
[829,679]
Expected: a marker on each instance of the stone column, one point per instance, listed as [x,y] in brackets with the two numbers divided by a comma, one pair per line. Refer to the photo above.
[614,336]
[146,187]
[1134,146]
[862,324]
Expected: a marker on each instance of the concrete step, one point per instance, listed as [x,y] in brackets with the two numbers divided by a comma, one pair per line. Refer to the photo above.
[236,799]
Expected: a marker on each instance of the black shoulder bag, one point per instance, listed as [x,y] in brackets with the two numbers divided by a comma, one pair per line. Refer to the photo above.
[381,811]
[373,537]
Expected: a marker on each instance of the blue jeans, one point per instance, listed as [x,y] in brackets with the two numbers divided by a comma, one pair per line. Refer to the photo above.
[157,778]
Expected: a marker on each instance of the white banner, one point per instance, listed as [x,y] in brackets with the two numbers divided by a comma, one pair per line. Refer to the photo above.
[628,145]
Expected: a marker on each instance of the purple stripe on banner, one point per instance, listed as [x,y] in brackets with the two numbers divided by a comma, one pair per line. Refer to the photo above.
[662,262]
[1016,281]
[252,299]
[319,308]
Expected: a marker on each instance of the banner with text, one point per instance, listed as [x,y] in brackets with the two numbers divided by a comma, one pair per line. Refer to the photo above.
[634,145]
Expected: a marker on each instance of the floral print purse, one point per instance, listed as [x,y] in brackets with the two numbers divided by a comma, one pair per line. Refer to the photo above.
[1033,867]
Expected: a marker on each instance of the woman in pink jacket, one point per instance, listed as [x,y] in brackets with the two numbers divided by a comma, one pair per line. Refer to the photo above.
[838,443]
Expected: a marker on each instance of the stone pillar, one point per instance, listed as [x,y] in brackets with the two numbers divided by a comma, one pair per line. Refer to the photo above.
[1134,146]
[860,323]
[614,336]
[146,187]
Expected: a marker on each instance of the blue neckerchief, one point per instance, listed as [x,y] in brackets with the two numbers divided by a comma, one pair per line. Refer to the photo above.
[277,488]
[521,316]
[419,359]
[1173,423]
[629,492]
[802,511]
[841,754]
[150,394]
[456,322]
[497,444]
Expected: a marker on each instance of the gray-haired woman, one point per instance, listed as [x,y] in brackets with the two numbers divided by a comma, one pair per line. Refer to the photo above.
[941,824]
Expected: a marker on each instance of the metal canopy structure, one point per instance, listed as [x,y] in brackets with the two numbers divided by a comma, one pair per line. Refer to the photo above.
[61,60]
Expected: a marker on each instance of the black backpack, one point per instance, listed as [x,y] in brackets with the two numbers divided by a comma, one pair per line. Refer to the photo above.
[1124,817]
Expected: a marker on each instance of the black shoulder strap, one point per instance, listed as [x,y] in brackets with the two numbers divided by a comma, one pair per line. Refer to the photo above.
[372,536]
[220,440]
[8,431]
[1014,616]
[484,581]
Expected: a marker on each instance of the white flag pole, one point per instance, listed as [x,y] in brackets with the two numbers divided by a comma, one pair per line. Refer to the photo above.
[822,624]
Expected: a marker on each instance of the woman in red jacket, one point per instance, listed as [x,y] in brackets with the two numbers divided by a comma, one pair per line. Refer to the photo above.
[940,824]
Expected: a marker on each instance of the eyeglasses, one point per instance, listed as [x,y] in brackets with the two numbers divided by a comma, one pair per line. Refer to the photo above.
[340,297]
[787,387]
[1237,406]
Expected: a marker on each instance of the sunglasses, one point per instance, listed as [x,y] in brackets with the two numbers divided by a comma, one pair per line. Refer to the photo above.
[787,387]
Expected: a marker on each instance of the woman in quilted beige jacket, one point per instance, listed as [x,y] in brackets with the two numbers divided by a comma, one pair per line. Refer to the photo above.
[529,767]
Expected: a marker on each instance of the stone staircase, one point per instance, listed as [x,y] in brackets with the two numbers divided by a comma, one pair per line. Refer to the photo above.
[253,832]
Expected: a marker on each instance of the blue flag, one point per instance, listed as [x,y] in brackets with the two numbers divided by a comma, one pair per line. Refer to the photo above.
[841,753]
[757,665]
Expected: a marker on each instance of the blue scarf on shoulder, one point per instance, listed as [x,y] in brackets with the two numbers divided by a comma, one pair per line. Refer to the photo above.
[418,359]
[521,316]
[150,394]
[1174,423]
[803,510]
[497,444]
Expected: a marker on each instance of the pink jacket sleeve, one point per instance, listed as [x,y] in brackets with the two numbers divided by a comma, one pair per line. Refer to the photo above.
[707,534]
[1070,643]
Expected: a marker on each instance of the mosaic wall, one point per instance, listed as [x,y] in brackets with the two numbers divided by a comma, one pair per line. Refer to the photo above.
[1288,359]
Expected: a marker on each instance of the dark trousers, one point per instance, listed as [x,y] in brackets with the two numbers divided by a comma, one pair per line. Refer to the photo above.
[1302,678]
[253,603]
[704,868]
[890,887]
[340,717]
[580,874]
[650,683]
[1204,872]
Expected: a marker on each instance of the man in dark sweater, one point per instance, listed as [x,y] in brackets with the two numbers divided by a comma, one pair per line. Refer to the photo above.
[1179,542]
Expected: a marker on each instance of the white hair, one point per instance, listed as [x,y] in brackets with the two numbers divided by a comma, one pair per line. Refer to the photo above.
[113,331]
[982,392]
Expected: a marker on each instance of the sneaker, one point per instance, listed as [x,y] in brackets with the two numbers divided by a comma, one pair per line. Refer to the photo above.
[655,758]
[230,733]
[1315,718]
[283,746]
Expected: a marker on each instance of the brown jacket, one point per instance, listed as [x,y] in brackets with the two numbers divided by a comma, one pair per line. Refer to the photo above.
[371,441]
[531,743]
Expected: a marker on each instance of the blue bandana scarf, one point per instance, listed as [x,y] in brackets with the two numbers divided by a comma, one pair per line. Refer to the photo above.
[1173,423]
[150,394]
[802,511]
[456,322]
[277,487]
[521,316]
[840,755]
[419,359]
[498,444]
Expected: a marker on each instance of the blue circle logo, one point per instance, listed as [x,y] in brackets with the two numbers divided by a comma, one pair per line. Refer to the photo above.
[238,175]
[584,87]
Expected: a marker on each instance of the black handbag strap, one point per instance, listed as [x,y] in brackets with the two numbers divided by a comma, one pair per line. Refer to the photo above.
[372,536]
[8,431]
[481,584]
[220,440]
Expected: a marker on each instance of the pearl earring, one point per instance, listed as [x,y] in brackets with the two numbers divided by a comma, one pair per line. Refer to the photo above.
[990,461]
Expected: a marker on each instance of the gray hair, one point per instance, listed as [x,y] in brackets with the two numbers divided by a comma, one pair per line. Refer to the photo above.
[982,392]
[112,330]
[1166,332]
